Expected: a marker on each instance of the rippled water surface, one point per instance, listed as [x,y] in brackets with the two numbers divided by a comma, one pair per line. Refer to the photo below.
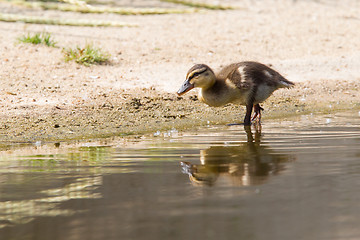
[297,179]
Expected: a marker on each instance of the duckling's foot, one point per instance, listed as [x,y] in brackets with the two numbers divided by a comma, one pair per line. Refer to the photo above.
[257,113]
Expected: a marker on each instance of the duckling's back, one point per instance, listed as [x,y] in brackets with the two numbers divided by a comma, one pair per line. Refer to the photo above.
[246,75]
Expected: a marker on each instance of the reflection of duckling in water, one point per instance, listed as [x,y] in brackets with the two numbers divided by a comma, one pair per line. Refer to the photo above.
[243,83]
[247,164]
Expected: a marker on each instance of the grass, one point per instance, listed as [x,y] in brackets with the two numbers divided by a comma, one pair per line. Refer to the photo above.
[199,5]
[84,8]
[64,22]
[38,38]
[86,56]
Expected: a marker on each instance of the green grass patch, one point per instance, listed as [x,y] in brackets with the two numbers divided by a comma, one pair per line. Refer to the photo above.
[86,56]
[38,38]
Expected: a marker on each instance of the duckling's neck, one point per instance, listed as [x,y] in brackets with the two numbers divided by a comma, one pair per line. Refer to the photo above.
[216,95]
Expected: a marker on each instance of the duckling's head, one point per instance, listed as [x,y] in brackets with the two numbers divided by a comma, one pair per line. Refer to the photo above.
[200,76]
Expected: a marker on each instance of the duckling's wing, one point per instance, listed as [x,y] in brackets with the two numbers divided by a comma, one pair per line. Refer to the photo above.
[234,72]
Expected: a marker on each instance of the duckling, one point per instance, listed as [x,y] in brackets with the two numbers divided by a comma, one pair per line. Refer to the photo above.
[244,83]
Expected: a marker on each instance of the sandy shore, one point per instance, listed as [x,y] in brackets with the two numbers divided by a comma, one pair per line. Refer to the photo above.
[42,98]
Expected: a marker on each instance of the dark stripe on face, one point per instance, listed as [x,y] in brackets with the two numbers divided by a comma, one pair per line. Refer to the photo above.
[197,73]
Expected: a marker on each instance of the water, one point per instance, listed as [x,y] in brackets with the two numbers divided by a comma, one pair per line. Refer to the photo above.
[296,179]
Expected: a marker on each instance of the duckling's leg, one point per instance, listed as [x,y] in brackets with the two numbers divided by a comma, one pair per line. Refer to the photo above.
[257,112]
[247,119]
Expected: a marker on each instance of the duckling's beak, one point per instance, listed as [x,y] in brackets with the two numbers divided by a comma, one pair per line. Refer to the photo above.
[187,86]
